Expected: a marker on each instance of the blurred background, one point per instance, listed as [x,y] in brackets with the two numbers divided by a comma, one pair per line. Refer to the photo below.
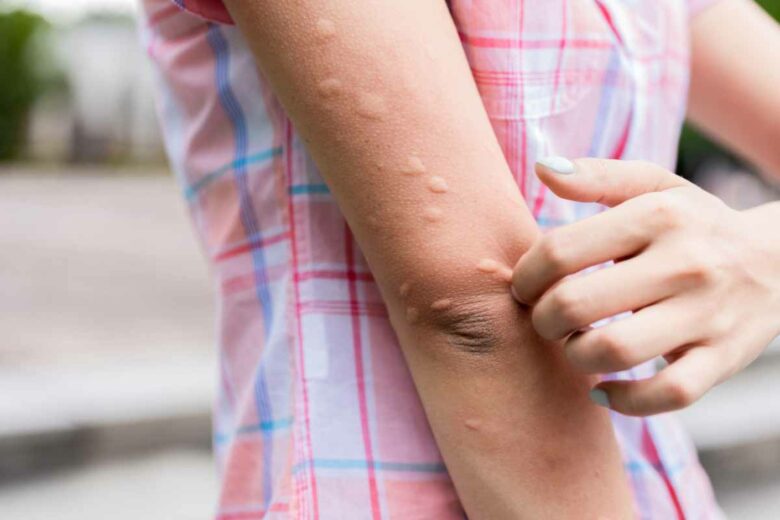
[106,319]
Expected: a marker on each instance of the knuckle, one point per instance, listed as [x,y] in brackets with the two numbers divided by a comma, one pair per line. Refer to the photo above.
[600,168]
[613,349]
[566,304]
[667,211]
[642,165]
[552,248]
[719,325]
[471,325]
[698,267]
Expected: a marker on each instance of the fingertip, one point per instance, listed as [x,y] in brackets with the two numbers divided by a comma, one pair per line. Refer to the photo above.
[571,180]
[556,164]
[599,396]
[550,177]
[623,398]
[515,283]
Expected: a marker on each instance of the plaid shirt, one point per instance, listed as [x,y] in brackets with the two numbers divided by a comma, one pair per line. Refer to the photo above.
[317,416]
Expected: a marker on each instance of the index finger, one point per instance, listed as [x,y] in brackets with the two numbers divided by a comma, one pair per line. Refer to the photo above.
[615,233]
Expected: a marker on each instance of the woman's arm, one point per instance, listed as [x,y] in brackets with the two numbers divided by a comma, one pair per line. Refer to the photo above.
[383,97]
[735,82]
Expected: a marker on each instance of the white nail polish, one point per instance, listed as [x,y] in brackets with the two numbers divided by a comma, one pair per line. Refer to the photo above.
[560,165]
[600,397]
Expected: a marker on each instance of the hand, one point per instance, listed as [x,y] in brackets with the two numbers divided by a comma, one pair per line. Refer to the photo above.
[702,278]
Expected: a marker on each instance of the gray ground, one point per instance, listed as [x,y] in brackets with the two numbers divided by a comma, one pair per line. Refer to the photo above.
[102,286]
[175,485]
[99,265]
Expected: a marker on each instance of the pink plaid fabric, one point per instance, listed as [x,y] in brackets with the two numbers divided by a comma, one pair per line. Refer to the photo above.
[317,416]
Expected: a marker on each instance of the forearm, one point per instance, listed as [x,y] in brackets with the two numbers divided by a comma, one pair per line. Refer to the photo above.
[514,424]
[394,122]
[735,79]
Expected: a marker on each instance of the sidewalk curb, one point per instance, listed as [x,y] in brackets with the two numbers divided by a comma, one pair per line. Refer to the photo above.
[55,417]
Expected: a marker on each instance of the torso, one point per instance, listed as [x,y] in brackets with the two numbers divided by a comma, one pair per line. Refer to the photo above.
[317,416]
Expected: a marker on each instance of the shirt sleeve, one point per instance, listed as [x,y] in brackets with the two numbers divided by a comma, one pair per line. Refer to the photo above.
[212,10]
[215,11]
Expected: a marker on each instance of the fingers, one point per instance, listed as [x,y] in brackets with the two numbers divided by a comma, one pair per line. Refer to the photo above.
[605,181]
[584,299]
[617,233]
[676,386]
[653,331]
[645,209]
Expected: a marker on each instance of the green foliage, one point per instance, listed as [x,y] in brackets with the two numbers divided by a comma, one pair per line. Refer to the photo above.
[771,6]
[21,81]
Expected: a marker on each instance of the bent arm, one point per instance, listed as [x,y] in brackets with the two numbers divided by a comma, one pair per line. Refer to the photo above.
[735,80]
[383,97]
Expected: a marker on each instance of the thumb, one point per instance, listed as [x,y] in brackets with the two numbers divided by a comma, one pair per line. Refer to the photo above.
[605,181]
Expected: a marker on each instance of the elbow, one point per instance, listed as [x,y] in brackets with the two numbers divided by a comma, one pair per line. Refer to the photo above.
[473,325]
[465,324]
[465,303]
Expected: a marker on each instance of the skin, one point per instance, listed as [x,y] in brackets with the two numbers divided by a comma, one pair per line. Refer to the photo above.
[703,279]
[735,79]
[511,417]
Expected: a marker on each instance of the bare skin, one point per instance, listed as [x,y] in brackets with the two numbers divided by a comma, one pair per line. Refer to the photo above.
[703,279]
[735,79]
[407,149]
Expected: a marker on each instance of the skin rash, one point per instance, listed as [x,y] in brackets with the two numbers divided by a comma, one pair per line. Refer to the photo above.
[423,121]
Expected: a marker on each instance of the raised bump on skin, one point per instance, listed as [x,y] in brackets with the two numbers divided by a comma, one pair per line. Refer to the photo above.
[432,214]
[437,184]
[371,106]
[486,265]
[413,166]
[504,274]
[330,88]
[412,314]
[440,305]
[326,29]
[404,289]
[472,424]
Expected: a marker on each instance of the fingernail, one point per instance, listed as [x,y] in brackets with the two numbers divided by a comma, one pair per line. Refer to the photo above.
[560,165]
[600,397]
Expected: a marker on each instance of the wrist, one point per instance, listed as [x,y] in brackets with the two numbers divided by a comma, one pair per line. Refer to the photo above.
[763,221]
